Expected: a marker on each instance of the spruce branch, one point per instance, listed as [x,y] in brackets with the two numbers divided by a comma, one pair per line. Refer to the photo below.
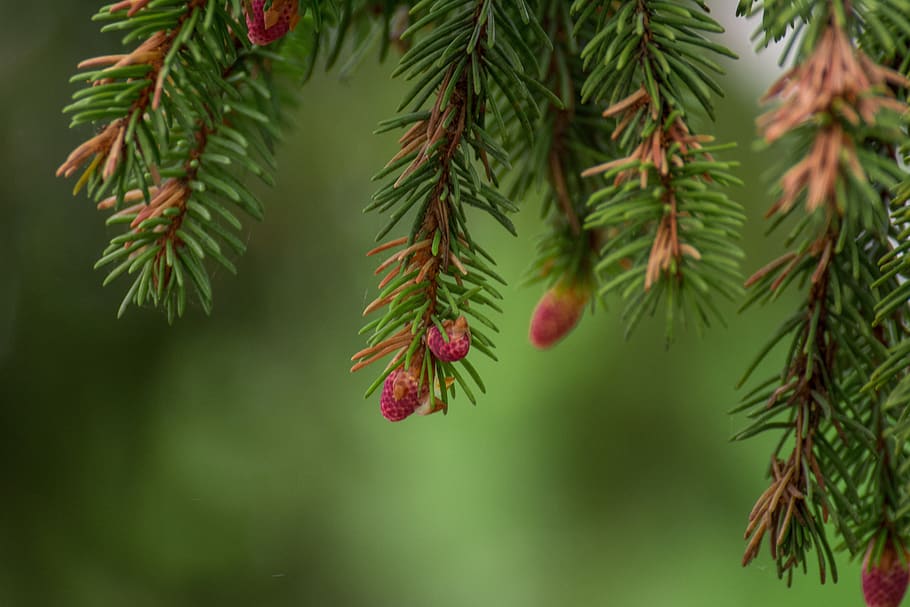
[569,137]
[597,102]
[892,310]
[676,232]
[190,109]
[127,86]
[887,507]
[837,111]
[472,61]
[891,377]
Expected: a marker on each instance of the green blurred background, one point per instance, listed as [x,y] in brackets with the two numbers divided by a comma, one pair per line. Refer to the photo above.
[232,460]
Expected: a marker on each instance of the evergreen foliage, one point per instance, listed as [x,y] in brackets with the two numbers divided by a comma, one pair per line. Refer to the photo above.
[472,61]
[841,113]
[190,108]
[601,105]
[672,232]
[569,138]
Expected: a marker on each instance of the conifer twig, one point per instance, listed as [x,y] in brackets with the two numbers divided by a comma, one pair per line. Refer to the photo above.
[438,275]
[147,62]
[569,138]
[836,103]
[676,232]
[188,110]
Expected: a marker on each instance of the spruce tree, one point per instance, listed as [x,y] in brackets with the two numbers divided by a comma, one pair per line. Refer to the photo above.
[605,107]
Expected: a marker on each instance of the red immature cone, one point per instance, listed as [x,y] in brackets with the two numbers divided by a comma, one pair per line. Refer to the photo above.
[557,313]
[885,582]
[264,27]
[400,396]
[459,340]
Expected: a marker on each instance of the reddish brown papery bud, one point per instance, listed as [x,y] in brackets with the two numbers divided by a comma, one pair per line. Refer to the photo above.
[400,396]
[264,27]
[885,582]
[459,343]
[557,313]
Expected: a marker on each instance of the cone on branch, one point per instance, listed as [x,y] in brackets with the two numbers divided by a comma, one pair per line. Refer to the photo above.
[454,345]
[265,26]
[401,395]
[885,578]
[557,313]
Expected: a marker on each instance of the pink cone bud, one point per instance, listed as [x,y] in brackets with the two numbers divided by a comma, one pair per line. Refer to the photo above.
[557,313]
[400,396]
[459,340]
[884,582]
[264,27]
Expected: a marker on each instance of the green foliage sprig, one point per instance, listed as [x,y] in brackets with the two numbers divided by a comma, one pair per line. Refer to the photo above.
[569,138]
[471,62]
[836,460]
[675,231]
[191,110]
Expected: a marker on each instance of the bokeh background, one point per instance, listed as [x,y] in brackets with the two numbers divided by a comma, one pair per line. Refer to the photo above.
[232,460]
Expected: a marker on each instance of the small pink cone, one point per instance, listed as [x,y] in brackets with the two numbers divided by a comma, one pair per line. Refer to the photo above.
[557,313]
[400,396]
[459,340]
[885,582]
[264,27]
